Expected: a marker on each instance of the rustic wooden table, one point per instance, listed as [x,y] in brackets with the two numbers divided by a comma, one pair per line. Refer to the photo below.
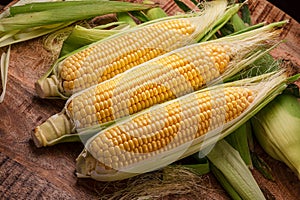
[27,172]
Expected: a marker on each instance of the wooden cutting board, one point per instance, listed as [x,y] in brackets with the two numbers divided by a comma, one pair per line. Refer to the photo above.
[27,172]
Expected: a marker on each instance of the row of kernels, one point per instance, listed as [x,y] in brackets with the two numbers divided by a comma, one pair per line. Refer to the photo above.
[183,25]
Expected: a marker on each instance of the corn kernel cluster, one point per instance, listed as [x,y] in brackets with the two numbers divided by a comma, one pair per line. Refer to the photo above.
[103,61]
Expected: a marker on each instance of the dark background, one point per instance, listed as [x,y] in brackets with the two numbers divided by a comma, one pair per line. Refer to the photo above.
[288,6]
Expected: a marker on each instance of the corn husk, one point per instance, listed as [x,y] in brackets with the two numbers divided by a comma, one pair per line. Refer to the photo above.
[277,128]
[239,140]
[226,159]
[41,14]
[24,22]
[81,36]
[4,72]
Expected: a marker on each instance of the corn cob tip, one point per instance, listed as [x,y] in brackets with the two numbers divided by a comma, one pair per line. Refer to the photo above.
[80,167]
[52,129]
[85,163]
[47,87]
[37,137]
[82,164]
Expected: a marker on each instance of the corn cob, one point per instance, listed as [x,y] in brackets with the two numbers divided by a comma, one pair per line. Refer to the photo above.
[172,75]
[118,53]
[167,127]
[167,132]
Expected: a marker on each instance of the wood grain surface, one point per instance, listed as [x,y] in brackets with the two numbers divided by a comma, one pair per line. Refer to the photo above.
[27,172]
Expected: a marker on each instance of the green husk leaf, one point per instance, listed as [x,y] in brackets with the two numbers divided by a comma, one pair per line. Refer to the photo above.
[194,164]
[238,140]
[249,28]
[140,15]
[237,23]
[4,72]
[232,166]
[224,182]
[6,12]
[227,29]
[199,169]
[81,37]
[43,6]
[8,35]
[17,36]
[111,25]
[262,166]
[277,129]
[156,13]
[66,13]
[245,12]
[221,22]
[126,18]
[182,6]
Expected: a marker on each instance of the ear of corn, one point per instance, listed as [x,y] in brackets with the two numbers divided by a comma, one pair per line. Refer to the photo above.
[103,60]
[277,128]
[166,127]
[172,75]
[165,133]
